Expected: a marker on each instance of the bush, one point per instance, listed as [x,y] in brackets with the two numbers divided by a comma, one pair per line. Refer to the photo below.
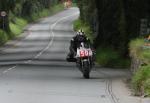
[110,58]
[136,47]
[146,56]
[140,80]
[17,26]
[3,37]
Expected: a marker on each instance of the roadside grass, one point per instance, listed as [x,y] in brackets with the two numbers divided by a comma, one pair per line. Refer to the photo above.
[3,37]
[146,56]
[135,47]
[141,79]
[17,26]
[147,86]
[138,50]
[108,57]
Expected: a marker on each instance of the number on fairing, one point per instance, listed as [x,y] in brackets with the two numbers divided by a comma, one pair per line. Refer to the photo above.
[84,53]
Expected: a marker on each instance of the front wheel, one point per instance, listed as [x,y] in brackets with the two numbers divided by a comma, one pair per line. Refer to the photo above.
[86,70]
[86,75]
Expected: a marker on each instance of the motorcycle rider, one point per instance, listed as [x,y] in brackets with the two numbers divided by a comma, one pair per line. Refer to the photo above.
[76,41]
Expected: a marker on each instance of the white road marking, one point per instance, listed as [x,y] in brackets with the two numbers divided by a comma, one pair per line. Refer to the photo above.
[5,71]
[12,68]
[26,62]
[9,69]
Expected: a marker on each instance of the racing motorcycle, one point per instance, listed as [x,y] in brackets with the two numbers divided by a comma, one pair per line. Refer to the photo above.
[84,59]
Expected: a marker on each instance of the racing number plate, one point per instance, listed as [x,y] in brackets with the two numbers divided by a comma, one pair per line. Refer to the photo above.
[84,53]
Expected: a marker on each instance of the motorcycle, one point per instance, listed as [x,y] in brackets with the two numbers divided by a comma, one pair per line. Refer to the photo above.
[84,59]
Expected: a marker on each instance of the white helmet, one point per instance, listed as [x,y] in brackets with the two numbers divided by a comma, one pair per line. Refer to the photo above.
[81,33]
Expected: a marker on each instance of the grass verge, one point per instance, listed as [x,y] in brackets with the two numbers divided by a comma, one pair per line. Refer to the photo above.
[17,26]
[3,37]
[108,57]
[141,79]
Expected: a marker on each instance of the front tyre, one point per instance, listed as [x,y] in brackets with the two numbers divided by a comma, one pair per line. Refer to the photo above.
[86,75]
[86,70]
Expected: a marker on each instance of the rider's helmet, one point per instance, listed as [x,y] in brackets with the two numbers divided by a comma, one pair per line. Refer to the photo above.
[81,32]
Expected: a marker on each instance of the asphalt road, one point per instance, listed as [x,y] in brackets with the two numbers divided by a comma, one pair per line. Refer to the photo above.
[33,69]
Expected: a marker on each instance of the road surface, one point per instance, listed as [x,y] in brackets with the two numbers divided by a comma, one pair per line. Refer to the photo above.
[33,68]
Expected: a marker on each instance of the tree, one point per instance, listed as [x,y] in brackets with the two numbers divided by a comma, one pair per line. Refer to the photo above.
[117,21]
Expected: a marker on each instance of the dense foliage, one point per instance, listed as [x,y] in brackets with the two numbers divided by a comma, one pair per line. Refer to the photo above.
[115,22]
